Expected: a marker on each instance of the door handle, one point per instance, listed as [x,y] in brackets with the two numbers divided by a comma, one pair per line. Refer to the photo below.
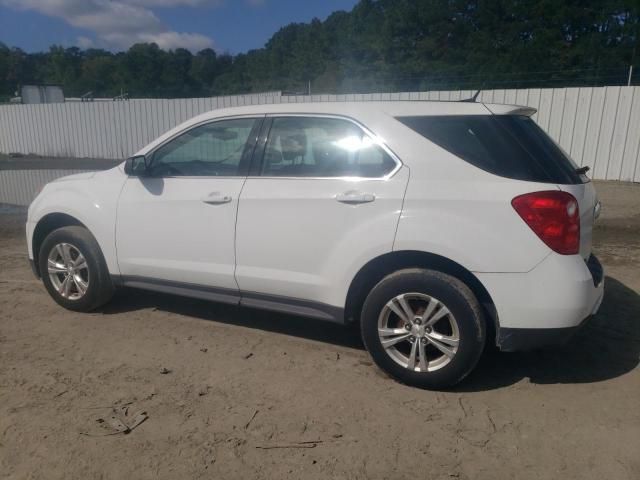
[353,198]
[216,199]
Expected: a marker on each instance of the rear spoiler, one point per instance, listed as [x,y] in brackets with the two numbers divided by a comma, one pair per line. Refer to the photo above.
[510,109]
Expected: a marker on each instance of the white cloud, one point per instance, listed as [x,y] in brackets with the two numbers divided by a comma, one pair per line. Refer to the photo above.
[84,42]
[165,40]
[120,23]
[177,3]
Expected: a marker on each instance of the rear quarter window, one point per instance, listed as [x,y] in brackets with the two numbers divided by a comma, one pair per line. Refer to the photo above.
[510,146]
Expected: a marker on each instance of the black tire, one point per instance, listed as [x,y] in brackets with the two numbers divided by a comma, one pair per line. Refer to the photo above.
[462,304]
[100,287]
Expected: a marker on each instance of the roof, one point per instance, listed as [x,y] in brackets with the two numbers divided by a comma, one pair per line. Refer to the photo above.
[391,107]
[358,110]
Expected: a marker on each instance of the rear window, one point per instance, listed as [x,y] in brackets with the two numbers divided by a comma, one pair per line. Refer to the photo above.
[507,145]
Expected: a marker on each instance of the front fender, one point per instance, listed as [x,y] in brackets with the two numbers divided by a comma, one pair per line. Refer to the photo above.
[91,201]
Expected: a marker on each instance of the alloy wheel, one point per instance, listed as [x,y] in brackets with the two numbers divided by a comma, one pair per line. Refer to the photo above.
[68,271]
[418,332]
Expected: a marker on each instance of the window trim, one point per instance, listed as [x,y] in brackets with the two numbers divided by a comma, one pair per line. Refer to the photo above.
[258,157]
[261,145]
[259,118]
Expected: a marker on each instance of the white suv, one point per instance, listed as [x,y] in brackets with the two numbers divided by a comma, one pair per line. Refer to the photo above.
[434,226]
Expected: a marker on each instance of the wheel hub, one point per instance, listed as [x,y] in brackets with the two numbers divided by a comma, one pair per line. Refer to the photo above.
[417,330]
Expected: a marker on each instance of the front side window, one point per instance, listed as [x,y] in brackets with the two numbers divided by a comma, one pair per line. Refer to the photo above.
[215,149]
[322,147]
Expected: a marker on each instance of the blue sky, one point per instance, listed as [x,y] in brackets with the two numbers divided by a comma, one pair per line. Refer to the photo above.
[226,25]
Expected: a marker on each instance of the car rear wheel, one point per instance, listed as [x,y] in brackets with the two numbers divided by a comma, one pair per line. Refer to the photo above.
[423,327]
[73,269]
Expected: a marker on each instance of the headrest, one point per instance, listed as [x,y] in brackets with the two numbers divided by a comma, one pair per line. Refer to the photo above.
[329,155]
[293,143]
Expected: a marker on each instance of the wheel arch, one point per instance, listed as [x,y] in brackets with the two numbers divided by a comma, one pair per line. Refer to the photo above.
[47,224]
[378,268]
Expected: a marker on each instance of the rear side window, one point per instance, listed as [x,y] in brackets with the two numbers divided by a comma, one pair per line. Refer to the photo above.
[322,147]
[506,145]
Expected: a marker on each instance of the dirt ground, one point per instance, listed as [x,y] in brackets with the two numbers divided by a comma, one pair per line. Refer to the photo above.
[247,394]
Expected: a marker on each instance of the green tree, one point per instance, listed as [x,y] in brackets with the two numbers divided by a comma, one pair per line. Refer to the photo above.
[380,45]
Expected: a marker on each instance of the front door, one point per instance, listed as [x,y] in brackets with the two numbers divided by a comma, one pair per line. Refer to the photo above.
[176,224]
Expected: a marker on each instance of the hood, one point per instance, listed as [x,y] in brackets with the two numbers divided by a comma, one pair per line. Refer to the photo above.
[76,176]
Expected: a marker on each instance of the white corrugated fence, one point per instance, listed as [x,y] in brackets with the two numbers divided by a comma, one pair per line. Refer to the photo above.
[102,129]
[599,127]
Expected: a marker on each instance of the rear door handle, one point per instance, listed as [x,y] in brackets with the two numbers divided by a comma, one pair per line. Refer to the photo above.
[353,198]
[215,198]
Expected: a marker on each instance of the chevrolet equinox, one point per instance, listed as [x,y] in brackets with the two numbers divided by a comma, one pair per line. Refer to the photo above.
[436,227]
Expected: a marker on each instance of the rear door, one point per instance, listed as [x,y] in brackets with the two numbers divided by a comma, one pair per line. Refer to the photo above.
[323,198]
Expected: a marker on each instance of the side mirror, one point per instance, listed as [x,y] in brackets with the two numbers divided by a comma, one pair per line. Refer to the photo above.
[136,166]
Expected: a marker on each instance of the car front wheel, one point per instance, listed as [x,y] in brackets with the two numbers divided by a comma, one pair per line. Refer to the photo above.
[73,269]
[423,327]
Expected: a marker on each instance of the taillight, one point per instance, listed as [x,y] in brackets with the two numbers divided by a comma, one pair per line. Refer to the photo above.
[554,217]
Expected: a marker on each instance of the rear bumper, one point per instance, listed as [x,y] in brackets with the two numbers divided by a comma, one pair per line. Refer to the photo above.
[546,306]
[523,339]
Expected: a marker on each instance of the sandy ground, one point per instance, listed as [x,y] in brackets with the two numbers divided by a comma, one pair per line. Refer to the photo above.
[247,394]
